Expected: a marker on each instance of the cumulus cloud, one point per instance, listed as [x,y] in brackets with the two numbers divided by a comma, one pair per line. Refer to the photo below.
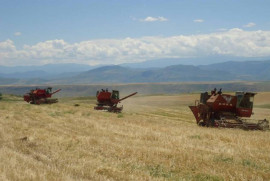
[152,19]
[17,33]
[7,50]
[198,20]
[234,42]
[249,25]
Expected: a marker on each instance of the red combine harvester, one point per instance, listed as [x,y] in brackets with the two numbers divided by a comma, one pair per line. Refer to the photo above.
[108,100]
[224,110]
[40,96]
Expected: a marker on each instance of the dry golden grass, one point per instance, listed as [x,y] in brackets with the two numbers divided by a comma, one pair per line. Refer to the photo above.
[155,138]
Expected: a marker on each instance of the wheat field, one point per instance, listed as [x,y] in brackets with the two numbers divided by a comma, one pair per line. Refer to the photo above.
[155,138]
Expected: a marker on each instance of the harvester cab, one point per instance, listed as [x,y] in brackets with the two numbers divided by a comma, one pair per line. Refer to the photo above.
[245,99]
[115,94]
[244,103]
[49,90]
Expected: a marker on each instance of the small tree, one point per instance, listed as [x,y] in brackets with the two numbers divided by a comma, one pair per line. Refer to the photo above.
[0,96]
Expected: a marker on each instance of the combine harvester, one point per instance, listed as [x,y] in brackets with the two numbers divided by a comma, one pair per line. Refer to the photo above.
[228,111]
[40,96]
[108,100]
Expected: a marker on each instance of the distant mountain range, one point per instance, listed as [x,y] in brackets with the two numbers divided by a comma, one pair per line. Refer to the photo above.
[85,74]
[165,62]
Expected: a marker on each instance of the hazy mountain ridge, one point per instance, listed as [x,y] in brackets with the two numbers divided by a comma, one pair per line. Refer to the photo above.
[252,70]
[165,62]
[226,71]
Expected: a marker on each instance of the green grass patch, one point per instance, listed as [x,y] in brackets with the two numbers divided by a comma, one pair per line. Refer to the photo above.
[223,159]
[86,114]
[70,112]
[55,114]
[120,115]
[165,114]
[11,98]
[266,106]
[249,163]
[158,171]
[195,137]
[206,177]
[87,98]
[175,174]
[161,172]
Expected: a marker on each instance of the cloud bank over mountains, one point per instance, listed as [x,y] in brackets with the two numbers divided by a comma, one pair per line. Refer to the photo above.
[234,42]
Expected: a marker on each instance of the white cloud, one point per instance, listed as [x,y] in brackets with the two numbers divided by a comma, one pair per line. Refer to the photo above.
[7,51]
[198,20]
[234,42]
[249,25]
[17,33]
[152,19]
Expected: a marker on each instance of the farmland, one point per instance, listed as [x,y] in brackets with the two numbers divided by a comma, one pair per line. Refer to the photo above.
[155,138]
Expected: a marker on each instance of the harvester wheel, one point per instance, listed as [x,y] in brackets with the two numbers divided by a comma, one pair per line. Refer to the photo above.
[33,101]
[201,124]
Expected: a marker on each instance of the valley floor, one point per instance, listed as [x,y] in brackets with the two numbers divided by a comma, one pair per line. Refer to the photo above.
[155,138]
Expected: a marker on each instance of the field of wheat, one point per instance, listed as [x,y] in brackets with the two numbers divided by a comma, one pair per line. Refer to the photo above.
[155,138]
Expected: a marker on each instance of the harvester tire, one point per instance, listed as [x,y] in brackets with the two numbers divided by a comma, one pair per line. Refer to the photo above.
[201,124]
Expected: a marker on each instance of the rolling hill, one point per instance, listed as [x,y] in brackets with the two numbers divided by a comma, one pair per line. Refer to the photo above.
[251,70]
[227,71]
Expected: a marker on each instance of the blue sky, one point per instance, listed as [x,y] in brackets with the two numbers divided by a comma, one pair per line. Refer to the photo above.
[33,25]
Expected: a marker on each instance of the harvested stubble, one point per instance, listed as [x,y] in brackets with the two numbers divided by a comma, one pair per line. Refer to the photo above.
[155,138]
